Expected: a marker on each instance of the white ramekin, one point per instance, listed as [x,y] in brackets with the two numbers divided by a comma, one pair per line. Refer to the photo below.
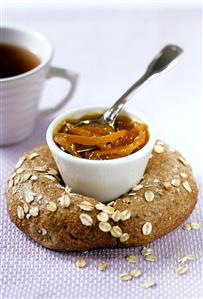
[107,179]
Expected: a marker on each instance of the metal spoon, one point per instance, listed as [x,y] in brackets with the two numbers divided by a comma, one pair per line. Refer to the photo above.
[165,60]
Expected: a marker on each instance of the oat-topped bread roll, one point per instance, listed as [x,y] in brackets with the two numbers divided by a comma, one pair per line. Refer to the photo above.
[40,205]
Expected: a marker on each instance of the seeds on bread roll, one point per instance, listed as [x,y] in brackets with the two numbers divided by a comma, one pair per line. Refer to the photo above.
[55,217]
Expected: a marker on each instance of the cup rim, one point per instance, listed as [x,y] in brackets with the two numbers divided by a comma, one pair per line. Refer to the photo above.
[56,150]
[31,32]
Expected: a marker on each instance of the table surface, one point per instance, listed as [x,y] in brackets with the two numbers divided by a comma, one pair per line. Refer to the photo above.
[110,48]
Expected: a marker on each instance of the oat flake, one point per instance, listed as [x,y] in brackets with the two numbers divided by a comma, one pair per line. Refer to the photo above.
[34,211]
[136,272]
[104,227]
[131,259]
[64,201]
[116,216]
[51,206]
[149,196]
[145,251]
[116,231]
[158,148]
[182,269]
[187,187]
[86,206]
[149,284]
[86,219]
[125,215]
[125,276]
[150,258]
[137,188]
[20,213]
[81,263]
[147,228]
[103,217]
[124,237]
[102,266]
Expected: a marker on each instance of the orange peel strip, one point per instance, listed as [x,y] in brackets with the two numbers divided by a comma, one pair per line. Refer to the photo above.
[121,151]
[68,146]
[93,140]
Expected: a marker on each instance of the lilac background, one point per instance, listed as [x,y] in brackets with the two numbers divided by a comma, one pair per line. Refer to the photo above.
[109,47]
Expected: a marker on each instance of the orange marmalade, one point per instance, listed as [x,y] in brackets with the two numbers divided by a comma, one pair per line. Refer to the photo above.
[101,142]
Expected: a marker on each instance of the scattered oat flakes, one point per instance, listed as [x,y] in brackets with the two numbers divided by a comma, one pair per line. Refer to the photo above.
[10,184]
[175,182]
[20,170]
[124,237]
[187,187]
[103,217]
[136,272]
[16,179]
[125,276]
[29,196]
[34,211]
[137,188]
[189,257]
[116,216]
[158,148]
[19,163]
[20,213]
[67,189]
[102,266]
[184,175]
[81,263]
[34,178]
[50,177]
[44,231]
[104,227]
[26,208]
[183,161]
[25,177]
[150,258]
[131,259]
[149,284]
[40,168]
[195,225]
[147,228]
[100,206]
[187,227]
[125,215]
[149,195]
[86,206]
[145,251]
[51,206]
[116,231]
[64,201]
[12,176]
[182,269]
[109,210]
[33,155]
[86,219]
[40,197]
[14,191]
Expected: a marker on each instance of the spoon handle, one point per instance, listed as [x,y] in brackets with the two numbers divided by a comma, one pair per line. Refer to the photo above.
[166,59]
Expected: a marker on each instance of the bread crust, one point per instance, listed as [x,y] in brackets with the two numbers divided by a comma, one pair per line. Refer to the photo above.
[53,223]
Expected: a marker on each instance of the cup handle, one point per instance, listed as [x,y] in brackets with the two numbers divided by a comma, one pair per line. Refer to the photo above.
[66,74]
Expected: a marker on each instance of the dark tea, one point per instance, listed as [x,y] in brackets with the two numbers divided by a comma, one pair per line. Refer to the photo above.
[15,60]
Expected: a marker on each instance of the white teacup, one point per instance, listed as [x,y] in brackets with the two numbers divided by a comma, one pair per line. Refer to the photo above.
[103,179]
[20,95]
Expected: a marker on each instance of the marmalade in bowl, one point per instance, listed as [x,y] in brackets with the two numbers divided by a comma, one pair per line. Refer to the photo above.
[101,142]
